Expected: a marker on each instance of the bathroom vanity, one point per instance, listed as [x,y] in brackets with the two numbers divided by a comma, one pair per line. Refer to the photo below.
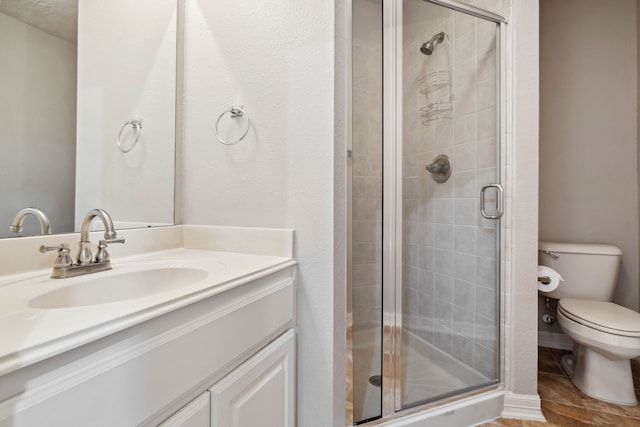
[193,326]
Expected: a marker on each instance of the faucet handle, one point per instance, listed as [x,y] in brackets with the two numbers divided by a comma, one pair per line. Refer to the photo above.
[109,241]
[102,255]
[60,247]
[64,259]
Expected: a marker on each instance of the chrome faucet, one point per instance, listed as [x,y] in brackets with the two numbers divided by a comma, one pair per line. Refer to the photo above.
[110,235]
[18,221]
[85,262]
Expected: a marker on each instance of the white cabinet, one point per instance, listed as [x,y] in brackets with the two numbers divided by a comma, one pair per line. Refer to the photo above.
[146,374]
[195,414]
[260,392]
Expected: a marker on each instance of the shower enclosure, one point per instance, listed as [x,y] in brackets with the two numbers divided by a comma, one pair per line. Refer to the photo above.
[425,203]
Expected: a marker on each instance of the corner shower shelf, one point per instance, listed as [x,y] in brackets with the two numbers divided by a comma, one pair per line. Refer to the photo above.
[436,85]
[436,110]
[434,81]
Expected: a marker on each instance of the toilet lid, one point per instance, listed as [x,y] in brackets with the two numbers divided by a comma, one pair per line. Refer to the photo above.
[602,315]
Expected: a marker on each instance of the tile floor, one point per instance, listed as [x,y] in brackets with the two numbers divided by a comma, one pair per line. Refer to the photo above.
[564,405]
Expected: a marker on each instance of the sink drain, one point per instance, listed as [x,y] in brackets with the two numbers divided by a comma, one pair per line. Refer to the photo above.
[375,380]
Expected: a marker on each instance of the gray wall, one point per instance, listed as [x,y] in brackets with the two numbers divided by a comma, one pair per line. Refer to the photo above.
[638,91]
[37,126]
[588,129]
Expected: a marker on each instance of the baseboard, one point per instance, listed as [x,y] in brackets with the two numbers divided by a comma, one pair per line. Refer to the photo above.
[470,411]
[523,407]
[554,340]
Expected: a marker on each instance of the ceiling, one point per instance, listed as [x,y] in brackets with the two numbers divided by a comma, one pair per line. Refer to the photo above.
[56,17]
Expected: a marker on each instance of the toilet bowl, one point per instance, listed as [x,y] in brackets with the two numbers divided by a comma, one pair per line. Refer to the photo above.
[608,335]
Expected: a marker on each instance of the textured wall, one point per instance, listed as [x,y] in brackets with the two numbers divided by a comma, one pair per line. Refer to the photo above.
[520,310]
[37,125]
[277,59]
[56,17]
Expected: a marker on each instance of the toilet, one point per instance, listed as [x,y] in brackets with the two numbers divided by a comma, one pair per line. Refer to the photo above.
[608,335]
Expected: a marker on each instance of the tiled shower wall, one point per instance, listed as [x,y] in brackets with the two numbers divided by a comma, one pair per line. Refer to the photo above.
[367,165]
[449,250]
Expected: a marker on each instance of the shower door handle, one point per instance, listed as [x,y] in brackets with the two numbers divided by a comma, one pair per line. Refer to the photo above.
[499,197]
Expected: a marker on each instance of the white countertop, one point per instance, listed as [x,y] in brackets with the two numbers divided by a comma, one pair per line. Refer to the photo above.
[31,333]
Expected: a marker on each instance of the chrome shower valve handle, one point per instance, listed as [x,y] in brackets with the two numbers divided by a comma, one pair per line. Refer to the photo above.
[440,169]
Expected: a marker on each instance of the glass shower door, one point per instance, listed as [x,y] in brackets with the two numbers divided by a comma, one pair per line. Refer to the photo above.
[424,204]
[365,175]
[449,258]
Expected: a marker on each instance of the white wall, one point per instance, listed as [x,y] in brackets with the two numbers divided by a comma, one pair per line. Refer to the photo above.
[37,125]
[588,129]
[127,70]
[277,59]
[520,309]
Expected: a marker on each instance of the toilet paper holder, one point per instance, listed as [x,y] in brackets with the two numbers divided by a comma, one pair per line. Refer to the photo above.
[548,279]
[545,280]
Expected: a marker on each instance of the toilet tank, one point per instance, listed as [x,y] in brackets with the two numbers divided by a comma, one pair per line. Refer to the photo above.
[590,271]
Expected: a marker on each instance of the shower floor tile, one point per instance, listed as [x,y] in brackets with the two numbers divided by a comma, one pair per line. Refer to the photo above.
[563,405]
[426,373]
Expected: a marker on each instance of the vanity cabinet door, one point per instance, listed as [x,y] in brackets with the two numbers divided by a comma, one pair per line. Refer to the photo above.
[261,391]
[195,414]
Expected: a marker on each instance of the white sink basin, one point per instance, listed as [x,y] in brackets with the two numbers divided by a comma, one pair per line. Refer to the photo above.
[102,289]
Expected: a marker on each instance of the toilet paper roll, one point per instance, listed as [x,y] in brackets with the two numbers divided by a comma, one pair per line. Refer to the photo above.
[554,278]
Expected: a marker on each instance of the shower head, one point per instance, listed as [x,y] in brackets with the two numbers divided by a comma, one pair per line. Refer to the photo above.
[427,48]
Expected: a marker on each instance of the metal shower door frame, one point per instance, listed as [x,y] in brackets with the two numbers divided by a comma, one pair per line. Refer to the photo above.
[392,186]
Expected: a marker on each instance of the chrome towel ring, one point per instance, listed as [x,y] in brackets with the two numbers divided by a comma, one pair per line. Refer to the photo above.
[235,113]
[137,126]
